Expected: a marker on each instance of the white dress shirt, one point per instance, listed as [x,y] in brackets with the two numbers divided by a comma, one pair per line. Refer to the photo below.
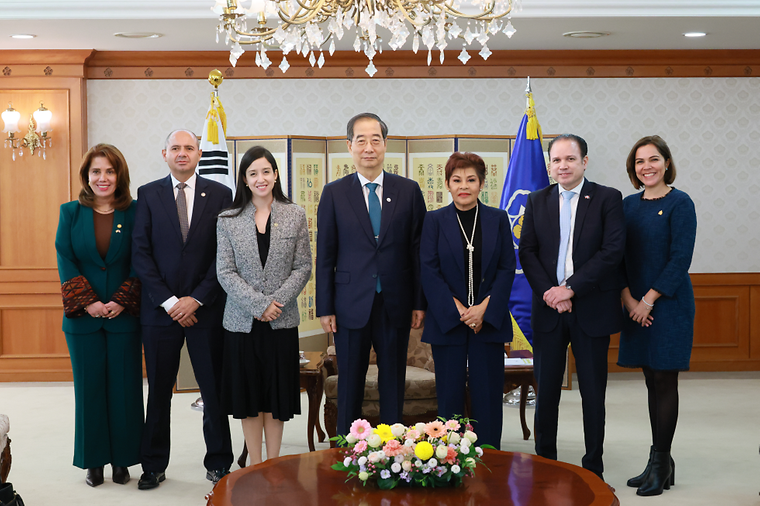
[569,270]
[190,200]
[378,191]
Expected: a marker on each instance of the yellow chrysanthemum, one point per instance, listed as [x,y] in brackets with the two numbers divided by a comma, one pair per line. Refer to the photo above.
[384,431]
[423,450]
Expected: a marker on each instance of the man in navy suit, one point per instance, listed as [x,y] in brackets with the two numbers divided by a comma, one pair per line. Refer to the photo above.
[368,271]
[572,243]
[174,255]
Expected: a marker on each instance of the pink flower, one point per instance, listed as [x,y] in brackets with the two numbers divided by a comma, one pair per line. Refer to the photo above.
[452,425]
[392,448]
[360,447]
[451,456]
[412,434]
[435,429]
[361,429]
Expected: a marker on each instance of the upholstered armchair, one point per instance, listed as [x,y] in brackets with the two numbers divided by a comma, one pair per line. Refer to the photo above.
[420,401]
[5,448]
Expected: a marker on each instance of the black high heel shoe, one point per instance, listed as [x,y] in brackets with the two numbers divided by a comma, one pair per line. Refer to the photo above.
[120,475]
[94,476]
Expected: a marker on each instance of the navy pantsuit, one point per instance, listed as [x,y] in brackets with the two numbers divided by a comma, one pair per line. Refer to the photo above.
[167,266]
[598,246]
[349,261]
[444,277]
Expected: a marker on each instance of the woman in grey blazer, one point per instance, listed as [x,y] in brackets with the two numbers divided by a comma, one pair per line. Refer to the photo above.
[263,262]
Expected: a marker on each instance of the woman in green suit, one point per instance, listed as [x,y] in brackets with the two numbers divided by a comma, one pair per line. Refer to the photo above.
[101,301]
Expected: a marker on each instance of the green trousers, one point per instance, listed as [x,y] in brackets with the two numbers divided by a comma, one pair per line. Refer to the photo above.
[108,391]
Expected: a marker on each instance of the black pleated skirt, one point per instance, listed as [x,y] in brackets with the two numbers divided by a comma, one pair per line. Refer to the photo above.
[261,372]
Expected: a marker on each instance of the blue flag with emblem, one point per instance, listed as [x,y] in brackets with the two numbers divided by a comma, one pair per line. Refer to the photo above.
[526,173]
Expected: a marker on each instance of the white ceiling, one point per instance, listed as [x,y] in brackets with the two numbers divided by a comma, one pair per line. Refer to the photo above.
[189,25]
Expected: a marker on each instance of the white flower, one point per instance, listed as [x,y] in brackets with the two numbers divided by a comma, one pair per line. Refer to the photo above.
[470,462]
[420,427]
[479,451]
[382,455]
[455,469]
[441,451]
[398,458]
[465,446]
[406,465]
[409,442]
[454,438]
[432,463]
[398,429]
[374,440]
[347,461]
[471,436]
[396,467]
[350,439]
[362,460]
[374,457]
[363,475]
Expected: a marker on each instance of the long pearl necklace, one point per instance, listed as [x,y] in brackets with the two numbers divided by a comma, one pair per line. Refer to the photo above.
[471,250]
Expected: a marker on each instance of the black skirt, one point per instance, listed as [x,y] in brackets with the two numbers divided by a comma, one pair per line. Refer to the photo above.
[261,372]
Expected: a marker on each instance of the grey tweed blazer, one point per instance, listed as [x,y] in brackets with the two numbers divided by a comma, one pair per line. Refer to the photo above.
[251,288]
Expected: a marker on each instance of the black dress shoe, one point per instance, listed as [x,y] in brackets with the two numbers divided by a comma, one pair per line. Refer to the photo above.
[215,475]
[120,475]
[150,479]
[94,476]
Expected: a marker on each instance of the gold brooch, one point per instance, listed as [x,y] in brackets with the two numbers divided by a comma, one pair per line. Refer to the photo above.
[660,213]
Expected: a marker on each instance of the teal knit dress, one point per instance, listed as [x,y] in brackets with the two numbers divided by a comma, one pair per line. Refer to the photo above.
[660,238]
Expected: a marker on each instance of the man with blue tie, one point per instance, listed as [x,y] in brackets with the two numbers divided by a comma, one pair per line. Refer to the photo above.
[174,255]
[571,245]
[368,271]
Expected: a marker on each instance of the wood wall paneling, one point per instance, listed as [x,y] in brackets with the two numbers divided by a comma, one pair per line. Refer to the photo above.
[32,345]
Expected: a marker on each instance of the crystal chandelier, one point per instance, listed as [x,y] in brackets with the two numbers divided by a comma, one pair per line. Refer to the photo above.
[306,26]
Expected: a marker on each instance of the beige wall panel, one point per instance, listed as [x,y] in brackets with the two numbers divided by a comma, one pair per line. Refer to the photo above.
[32,333]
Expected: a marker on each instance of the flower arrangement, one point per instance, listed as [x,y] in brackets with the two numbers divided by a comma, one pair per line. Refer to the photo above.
[435,454]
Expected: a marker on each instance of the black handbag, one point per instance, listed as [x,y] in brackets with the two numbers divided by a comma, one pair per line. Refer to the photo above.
[8,496]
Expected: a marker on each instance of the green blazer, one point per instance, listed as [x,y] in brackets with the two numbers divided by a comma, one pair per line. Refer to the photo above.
[78,256]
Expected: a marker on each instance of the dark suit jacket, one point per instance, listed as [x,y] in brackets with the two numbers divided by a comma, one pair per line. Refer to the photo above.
[168,267]
[443,276]
[598,247]
[78,256]
[349,259]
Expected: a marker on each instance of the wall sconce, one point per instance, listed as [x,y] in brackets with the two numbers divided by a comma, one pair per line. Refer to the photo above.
[38,136]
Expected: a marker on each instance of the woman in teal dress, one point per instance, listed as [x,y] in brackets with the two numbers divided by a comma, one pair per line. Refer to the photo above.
[661,226]
[101,300]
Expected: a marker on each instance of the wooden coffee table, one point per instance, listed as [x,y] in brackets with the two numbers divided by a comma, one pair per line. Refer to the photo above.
[513,479]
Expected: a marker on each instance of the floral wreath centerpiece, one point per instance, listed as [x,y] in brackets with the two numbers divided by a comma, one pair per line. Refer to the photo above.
[435,454]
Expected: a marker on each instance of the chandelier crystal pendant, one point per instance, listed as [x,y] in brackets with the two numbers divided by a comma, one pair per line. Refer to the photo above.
[305,26]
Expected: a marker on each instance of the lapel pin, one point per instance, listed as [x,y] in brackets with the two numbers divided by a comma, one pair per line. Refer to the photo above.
[118,226]
[276,224]
[118,231]
[587,197]
[388,199]
[660,213]
[203,194]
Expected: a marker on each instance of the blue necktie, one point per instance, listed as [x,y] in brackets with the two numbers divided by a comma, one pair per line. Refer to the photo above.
[564,234]
[374,217]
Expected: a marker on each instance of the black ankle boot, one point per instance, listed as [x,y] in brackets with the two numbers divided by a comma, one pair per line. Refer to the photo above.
[636,481]
[659,477]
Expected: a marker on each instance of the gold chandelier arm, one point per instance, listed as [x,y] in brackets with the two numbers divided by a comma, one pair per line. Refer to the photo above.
[312,11]
[405,12]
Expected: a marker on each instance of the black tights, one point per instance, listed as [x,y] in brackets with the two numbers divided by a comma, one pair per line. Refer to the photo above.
[662,387]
